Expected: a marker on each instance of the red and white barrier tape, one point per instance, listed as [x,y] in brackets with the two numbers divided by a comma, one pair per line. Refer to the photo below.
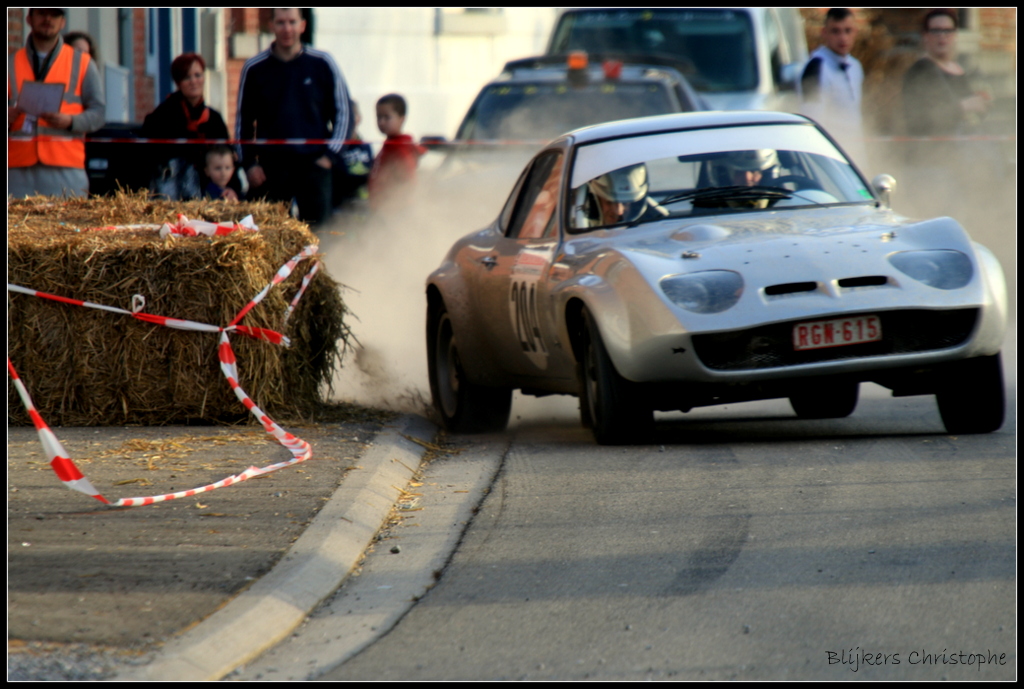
[194,228]
[452,143]
[282,274]
[70,475]
[60,462]
[306,279]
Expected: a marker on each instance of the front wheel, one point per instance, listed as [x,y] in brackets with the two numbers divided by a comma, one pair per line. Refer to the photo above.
[971,396]
[608,401]
[463,406]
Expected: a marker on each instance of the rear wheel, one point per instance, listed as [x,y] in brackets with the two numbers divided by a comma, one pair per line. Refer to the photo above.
[971,396]
[463,406]
[835,401]
[609,403]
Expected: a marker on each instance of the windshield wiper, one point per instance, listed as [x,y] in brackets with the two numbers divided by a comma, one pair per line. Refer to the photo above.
[742,193]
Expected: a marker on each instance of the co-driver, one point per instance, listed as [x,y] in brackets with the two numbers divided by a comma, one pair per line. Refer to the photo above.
[620,196]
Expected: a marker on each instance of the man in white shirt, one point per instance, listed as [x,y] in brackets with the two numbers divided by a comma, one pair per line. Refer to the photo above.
[831,84]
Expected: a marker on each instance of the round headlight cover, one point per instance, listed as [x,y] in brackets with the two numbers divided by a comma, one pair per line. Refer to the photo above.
[939,268]
[709,291]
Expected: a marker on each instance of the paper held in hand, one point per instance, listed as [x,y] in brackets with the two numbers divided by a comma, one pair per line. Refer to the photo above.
[37,98]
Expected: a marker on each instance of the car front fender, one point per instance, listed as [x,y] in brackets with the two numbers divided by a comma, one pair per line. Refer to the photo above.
[631,318]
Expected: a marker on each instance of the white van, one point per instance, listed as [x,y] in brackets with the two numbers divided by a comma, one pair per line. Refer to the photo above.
[737,58]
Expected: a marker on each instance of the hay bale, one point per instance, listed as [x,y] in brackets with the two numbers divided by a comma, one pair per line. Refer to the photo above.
[85,367]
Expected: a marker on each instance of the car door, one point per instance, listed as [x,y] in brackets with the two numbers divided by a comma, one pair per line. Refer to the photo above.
[515,301]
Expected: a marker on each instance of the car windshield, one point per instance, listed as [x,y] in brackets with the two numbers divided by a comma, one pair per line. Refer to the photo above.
[639,179]
[540,112]
[715,48]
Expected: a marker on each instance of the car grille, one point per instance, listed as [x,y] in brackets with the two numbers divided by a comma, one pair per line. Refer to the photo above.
[771,346]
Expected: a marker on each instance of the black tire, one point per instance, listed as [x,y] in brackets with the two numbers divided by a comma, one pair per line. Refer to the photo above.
[585,419]
[463,406]
[609,402]
[971,396]
[836,401]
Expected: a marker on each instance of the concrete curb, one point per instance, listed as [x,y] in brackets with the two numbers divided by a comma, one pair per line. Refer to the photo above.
[313,568]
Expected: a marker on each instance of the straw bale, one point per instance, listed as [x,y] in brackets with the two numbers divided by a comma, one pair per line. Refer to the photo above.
[86,367]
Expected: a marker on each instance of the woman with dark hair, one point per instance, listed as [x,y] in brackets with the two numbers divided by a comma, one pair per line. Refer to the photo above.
[183,115]
[937,96]
[79,40]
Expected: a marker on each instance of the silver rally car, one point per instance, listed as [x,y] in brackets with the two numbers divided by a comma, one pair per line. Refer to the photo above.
[671,262]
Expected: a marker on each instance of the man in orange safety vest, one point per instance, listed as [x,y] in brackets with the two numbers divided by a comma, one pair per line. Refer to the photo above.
[46,150]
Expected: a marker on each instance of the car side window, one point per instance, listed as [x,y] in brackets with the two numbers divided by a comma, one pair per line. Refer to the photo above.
[538,198]
[506,213]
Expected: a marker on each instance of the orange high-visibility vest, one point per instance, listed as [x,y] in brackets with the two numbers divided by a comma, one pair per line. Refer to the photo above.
[68,69]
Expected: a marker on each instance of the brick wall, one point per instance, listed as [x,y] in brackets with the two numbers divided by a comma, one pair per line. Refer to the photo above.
[247,20]
[998,28]
[145,89]
[15,29]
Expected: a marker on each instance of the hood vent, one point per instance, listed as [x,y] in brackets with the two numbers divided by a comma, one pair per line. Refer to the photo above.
[790,288]
[864,281]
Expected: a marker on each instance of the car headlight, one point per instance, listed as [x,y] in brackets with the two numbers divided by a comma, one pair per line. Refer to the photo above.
[710,291]
[942,268]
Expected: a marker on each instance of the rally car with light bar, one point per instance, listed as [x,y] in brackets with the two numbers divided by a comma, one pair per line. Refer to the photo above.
[672,262]
[535,100]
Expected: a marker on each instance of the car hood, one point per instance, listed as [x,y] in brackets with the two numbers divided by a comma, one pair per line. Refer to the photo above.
[729,237]
[777,248]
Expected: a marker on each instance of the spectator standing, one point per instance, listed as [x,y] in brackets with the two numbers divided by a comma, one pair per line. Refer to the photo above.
[79,40]
[37,163]
[182,115]
[832,82]
[291,91]
[937,96]
[938,101]
[394,168]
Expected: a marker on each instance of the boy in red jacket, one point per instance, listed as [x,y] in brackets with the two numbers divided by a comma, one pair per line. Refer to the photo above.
[394,168]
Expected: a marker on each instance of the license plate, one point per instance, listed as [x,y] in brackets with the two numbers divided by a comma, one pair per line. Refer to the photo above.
[836,332]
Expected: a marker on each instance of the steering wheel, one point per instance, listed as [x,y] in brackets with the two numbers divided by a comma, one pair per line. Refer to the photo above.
[799,181]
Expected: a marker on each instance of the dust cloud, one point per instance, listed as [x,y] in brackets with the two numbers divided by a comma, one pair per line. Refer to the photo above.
[971,181]
[384,260]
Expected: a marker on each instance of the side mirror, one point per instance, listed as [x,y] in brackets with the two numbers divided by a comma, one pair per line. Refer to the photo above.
[789,75]
[884,186]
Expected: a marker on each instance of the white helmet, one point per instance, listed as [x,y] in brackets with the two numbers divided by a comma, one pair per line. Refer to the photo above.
[763,160]
[625,185]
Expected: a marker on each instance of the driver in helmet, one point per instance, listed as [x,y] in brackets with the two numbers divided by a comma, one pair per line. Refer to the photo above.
[621,196]
[747,168]
[757,167]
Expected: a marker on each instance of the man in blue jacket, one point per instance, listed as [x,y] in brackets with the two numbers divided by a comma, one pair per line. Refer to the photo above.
[291,91]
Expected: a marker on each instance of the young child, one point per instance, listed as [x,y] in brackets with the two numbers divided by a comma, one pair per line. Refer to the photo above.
[220,168]
[394,168]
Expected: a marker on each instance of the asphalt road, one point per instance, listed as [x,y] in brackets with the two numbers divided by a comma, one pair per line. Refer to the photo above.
[743,544]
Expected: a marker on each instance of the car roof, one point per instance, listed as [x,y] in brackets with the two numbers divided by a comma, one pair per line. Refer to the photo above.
[578,10]
[548,68]
[689,120]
